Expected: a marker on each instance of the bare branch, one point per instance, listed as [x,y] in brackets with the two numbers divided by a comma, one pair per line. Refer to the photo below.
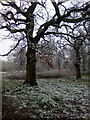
[12,30]
[56,9]
[75,20]
[31,9]
[73,9]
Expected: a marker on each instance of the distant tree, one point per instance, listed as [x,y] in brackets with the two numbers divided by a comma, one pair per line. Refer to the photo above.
[88,49]
[83,53]
[19,58]
[22,20]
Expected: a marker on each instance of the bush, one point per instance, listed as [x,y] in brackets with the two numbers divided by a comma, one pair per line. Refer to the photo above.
[8,66]
[50,74]
[14,75]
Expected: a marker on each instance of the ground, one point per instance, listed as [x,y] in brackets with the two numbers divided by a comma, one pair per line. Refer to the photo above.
[54,99]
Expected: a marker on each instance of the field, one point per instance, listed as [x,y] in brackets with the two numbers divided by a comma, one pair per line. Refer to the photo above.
[54,99]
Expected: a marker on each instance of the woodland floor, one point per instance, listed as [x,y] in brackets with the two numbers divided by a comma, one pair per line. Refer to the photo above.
[53,99]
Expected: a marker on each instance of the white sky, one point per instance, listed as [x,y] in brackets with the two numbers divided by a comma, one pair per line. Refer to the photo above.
[5,47]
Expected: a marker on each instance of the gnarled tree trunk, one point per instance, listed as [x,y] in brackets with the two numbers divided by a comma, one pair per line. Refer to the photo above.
[31,68]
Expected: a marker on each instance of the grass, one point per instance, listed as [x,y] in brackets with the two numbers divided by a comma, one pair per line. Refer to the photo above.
[53,98]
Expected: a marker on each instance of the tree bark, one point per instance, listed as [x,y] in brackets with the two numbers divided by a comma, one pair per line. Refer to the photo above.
[78,72]
[77,65]
[31,68]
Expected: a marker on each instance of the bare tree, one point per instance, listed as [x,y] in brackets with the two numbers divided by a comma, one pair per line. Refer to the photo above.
[75,37]
[19,19]
[18,56]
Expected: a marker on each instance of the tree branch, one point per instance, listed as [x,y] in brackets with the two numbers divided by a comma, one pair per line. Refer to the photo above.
[71,10]
[59,33]
[12,4]
[12,30]
[31,9]
[56,9]
[75,20]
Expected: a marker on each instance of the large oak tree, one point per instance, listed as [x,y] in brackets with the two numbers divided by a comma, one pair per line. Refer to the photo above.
[19,18]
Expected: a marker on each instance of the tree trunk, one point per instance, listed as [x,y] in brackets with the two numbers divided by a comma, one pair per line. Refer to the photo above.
[77,65]
[78,72]
[31,68]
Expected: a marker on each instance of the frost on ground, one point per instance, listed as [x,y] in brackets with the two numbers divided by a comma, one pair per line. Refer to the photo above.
[53,98]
